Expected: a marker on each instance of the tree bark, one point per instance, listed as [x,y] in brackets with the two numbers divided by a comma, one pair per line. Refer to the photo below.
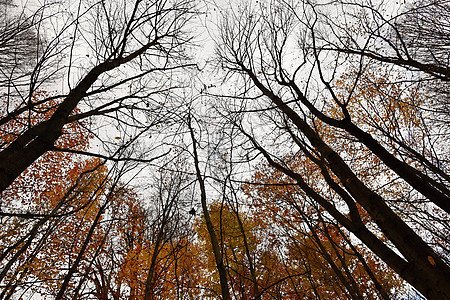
[209,225]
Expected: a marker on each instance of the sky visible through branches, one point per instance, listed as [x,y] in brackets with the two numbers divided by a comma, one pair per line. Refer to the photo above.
[224,150]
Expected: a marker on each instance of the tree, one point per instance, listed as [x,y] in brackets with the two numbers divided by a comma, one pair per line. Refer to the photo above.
[51,173]
[115,62]
[19,44]
[153,35]
[345,101]
[52,189]
[41,251]
[232,247]
[217,251]
[146,247]
[414,38]
[327,263]
[291,81]
[107,244]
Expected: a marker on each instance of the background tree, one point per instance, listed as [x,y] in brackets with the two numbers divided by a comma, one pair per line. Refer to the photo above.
[19,44]
[233,249]
[53,188]
[215,245]
[326,261]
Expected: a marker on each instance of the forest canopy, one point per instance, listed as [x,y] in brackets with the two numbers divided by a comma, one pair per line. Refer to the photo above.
[208,150]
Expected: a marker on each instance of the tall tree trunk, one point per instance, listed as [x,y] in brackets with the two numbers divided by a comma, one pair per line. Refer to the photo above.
[209,225]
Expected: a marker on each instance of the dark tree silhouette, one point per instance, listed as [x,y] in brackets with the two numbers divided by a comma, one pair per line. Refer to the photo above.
[330,81]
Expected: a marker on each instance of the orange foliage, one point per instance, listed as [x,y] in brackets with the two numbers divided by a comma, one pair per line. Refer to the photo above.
[50,176]
[283,213]
[67,187]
